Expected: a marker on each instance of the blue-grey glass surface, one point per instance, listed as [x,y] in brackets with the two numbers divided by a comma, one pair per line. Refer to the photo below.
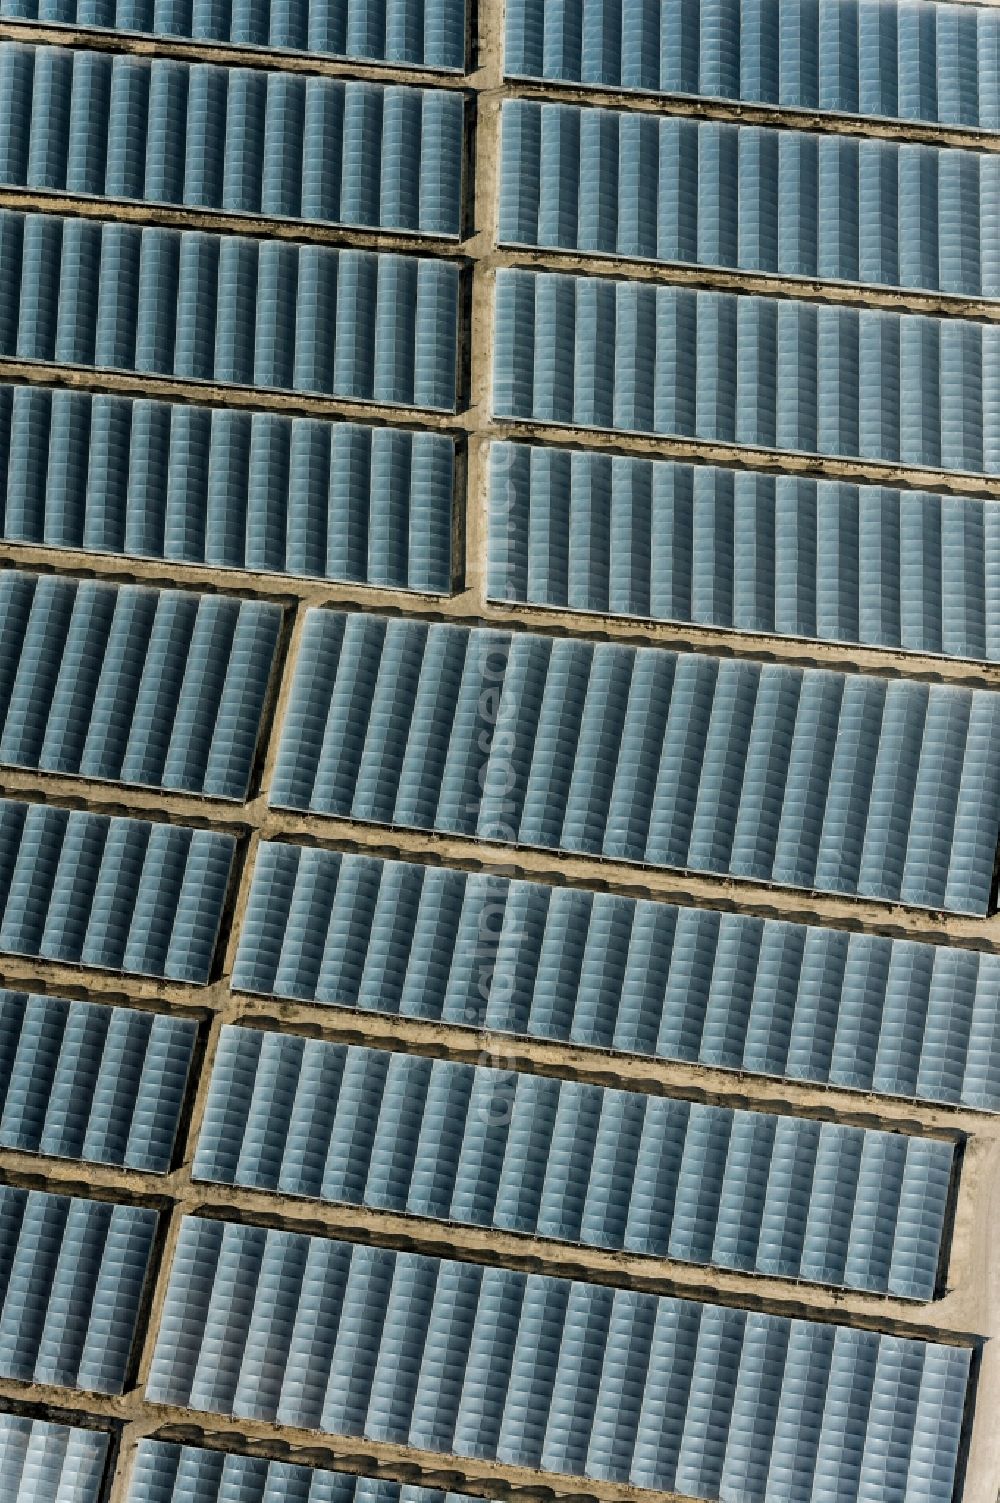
[83,1081]
[871,787]
[168,1473]
[411,33]
[731,368]
[237,140]
[118,894]
[125,684]
[71,1280]
[859,1011]
[46,1463]
[578,1163]
[226,309]
[572,1378]
[233,490]
[895,59]
[796,557]
[749,198]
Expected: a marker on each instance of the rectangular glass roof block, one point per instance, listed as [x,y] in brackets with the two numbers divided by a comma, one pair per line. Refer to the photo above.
[118,894]
[573,1378]
[125,684]
[100,1084]
[889,1017]
[577,1163]
[793,557]
[72,1273]
[883,59]
[799,777]
[231,490]
[46,1463]
[168,1473]
[225,309]
[749,198]
[742,370]
[410,33]
[233,140]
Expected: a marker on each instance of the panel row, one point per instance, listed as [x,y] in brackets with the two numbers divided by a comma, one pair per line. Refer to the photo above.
[119,894]
[82,1081]
[800,777]
[229,489]
[167,1473]
[414,33]
[46,1463]
[151,687]
[737,369]
[902,59]
[71,1280]
[578,1163]
[352,324]
[232,139]
[612,973]
[750,199]
[541,1372]
[733,549]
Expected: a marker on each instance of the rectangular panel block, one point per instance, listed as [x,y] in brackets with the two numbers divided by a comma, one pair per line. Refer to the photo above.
[266,314]
[819,559]
[601,971]
[167,1473]
[45,1463]
[748,198]
[231,490]
[71,1273]
[101,1084]
[736,369]
[578,1163]
[119,894]
[578,1379]
[278,144]
[412,33]
[898,59]
[805,778]
[124,684]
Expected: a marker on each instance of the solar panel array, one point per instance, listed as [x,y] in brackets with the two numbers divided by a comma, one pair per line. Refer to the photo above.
[821,559]
[576,1162]
[749,198]
[232,139]
[231,490]
[360,325]
[121,894]
[72,1274]
[577,1379]
[83,1081]
[499,815]
[193,670]
[727,990]
[800,777]
[170,1473]
[425,34]
[49,1463]
[913,60]
[728,368]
